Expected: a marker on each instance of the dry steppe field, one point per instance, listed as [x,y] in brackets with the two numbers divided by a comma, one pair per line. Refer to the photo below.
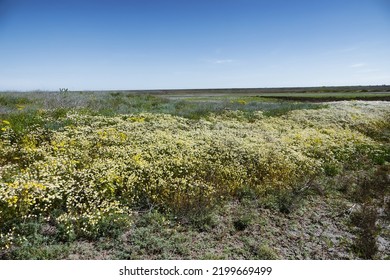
[299,173]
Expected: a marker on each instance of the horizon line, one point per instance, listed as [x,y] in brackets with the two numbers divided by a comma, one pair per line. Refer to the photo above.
[197,89]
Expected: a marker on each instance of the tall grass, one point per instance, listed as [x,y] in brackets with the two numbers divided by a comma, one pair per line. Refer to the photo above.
[114,103]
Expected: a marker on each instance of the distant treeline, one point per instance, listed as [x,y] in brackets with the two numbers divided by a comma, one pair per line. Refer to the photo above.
[378,88]
[252,91]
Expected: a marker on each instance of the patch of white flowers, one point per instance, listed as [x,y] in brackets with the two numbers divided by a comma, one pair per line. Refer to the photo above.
[102,167]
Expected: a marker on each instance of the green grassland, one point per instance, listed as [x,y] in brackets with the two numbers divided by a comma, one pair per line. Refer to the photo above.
[196,174]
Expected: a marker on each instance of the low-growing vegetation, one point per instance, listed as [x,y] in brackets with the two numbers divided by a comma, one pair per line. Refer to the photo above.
[140,176]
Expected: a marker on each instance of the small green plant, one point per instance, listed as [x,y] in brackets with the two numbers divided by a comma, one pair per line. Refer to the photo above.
[370,193]
[14,101]
[367,231]
[242,222]
[203,221]
[264,252]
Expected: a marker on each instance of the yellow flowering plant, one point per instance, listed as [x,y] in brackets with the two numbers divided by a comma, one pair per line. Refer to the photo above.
[101,169]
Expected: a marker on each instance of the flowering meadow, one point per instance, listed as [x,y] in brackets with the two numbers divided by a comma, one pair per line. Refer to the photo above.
[93,173]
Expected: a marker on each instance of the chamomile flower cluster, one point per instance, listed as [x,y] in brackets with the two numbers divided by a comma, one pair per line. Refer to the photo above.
[100,169]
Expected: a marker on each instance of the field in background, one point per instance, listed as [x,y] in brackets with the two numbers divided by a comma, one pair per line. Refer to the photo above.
[196,174]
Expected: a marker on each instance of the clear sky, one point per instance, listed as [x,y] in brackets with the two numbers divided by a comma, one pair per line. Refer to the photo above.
[166,44]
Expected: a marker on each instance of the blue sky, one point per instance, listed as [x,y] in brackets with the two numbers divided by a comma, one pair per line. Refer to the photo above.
[167,44]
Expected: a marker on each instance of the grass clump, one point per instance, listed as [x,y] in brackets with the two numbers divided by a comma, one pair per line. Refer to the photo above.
[368,192]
